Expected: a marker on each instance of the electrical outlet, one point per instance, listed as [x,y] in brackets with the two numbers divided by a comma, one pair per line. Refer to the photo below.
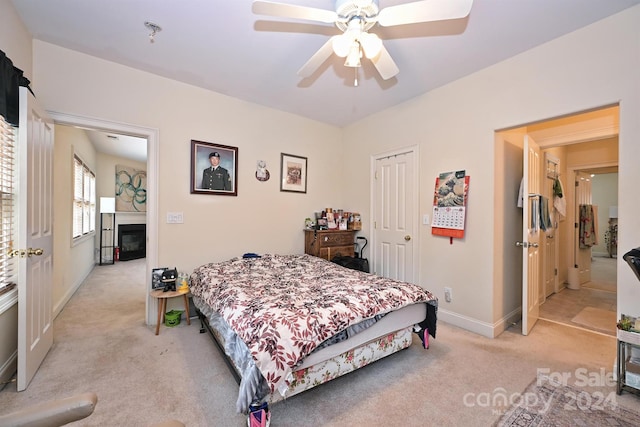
[448,294]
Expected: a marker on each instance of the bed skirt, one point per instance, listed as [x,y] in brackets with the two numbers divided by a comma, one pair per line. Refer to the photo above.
[346,362]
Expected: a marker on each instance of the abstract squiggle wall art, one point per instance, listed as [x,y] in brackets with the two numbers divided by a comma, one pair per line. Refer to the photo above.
[131,189]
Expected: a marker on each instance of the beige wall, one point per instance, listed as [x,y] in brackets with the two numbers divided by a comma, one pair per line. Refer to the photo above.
[261,218]
[15,40]
[454,126]
[72,261]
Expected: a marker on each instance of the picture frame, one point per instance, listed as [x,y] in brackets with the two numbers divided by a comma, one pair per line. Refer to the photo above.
[204,180]
[293,173]
[156,278]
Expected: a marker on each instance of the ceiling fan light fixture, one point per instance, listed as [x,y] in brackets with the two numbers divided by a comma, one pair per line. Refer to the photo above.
[353,58]
[371,45]
[354,18]
[342,45]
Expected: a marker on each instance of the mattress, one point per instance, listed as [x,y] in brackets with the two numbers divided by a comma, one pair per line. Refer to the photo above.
[392,322]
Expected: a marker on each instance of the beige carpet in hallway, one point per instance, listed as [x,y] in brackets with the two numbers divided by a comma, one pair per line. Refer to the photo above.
[101,344]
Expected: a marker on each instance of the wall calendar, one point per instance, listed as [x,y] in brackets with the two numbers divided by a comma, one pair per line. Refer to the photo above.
[450,204]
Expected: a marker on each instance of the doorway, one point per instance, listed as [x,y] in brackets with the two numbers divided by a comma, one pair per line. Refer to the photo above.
[578,141]
[152,138]
[592,305]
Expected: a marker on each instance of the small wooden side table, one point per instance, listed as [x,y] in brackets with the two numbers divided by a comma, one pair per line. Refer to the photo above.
[162,298]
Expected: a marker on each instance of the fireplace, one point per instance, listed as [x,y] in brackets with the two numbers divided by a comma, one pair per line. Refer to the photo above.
[132,240]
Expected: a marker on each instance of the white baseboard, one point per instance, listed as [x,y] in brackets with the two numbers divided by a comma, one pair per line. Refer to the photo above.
[9,368]
[478,327]
[72,290]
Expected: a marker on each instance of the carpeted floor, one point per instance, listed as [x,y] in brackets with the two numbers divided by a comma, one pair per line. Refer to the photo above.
[547,402]
[102,344]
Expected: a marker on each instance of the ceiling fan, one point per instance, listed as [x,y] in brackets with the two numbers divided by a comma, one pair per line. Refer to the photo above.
[355,18]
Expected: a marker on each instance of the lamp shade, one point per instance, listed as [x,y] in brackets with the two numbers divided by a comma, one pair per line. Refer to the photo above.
[342,45]
[371,44]
[107,205]
[613,212]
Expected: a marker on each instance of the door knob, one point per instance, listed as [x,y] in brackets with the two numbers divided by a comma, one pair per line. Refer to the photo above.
[407,237]
[527,244]
[37,251]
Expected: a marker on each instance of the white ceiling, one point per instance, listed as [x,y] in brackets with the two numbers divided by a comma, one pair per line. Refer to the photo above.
[129,147]
[222,46]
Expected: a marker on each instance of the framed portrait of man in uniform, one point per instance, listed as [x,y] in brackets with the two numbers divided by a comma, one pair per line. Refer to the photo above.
[214,169]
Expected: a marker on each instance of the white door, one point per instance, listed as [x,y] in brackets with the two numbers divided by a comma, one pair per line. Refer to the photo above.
[35,237]
[531,277]
[394,217]
[583,197]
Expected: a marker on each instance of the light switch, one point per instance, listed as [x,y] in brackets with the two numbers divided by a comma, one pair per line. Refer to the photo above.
[425,219]
[175,218]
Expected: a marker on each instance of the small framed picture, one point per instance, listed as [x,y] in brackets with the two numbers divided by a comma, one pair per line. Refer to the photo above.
[214,169]
[156,278]
[293,173]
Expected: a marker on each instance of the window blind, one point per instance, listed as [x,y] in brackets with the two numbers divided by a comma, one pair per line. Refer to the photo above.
[7,198]
[84,199]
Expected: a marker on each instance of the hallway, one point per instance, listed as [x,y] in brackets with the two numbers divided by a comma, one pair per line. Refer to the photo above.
[593,307]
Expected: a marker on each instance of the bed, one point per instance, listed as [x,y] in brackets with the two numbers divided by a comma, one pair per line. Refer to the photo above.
[287,323]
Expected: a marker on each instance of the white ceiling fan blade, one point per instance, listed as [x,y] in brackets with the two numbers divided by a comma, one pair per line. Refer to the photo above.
[318,58]
[385,64]
[424,11]
[292,11]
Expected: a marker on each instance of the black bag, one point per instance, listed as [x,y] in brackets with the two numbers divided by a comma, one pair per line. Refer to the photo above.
[361,264]
[356,262]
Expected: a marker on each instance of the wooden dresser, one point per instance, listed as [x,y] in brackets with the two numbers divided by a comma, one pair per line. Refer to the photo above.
[329,243]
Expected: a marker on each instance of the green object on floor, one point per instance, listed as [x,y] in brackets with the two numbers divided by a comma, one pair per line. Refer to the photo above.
[172,318]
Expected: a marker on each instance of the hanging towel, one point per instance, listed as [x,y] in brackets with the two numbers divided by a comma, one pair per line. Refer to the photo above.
[557,188]
[520,202]
[587,230]
[559,201]
[535,213]
[545,219]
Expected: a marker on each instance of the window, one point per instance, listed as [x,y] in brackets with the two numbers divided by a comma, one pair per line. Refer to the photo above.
[7,197]
[84,199]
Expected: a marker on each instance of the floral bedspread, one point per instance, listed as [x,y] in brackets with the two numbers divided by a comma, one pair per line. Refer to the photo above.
[283,306]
